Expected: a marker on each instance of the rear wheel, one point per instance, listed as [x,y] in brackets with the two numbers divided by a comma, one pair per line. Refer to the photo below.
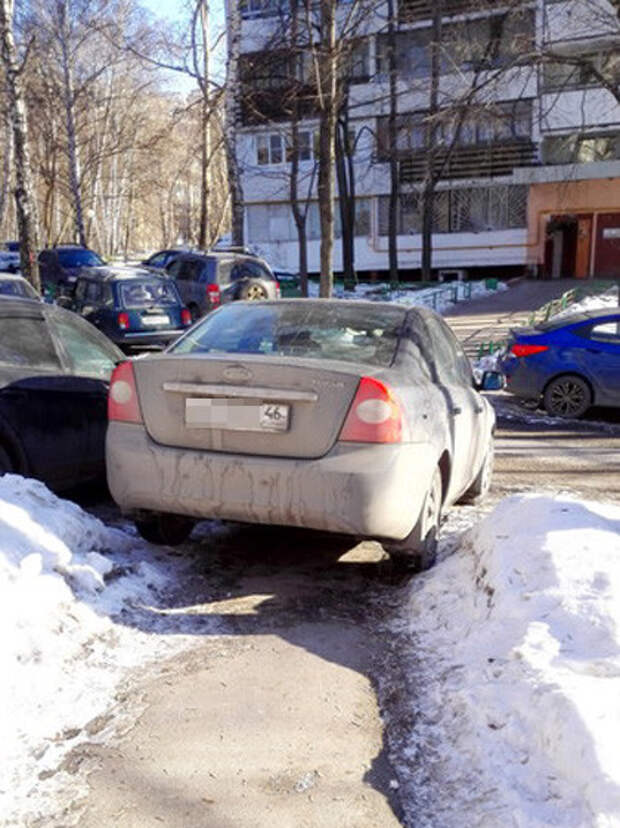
[418,551]
[194,312]
[252,290]
[482,483]
[165,529]
[567,396]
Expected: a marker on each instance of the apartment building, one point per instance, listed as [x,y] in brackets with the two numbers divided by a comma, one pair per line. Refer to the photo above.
[527,155]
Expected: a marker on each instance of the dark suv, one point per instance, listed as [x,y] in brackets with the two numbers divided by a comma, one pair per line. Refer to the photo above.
[207,280]
[59,266]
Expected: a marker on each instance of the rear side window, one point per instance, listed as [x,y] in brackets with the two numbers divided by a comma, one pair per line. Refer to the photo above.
[308,330]
[17,287]
[27,342]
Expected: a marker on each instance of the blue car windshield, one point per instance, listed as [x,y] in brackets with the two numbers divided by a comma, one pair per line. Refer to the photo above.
[316,330]
[79,258]
[145,294]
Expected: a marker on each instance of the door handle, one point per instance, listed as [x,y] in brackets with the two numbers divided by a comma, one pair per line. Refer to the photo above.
[478,409]
[456,410]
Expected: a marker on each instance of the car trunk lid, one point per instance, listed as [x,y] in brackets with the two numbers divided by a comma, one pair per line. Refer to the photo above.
[253,405]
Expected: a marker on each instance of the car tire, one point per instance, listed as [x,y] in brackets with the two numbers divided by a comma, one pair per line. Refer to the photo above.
[479,489]
[194,312]
[165,529]
[252,290]
[418,551]
[568,396]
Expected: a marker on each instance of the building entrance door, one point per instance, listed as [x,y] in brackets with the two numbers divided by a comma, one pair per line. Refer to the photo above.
[584,246]
[607,253]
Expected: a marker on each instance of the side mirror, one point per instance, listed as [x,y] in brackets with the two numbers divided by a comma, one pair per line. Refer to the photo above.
[65,302]
[491,381]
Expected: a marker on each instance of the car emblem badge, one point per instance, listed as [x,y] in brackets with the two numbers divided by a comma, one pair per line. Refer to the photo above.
[236,373]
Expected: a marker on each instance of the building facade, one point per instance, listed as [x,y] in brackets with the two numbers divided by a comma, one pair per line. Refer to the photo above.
[524,134]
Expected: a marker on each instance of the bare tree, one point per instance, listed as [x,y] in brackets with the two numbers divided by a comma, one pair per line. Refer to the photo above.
[24,191]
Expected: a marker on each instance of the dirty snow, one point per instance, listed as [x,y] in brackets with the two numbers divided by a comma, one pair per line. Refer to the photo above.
[515,653]
[70,588]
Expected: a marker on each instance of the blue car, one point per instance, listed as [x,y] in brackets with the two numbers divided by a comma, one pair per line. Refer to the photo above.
[134,308]
[568,364]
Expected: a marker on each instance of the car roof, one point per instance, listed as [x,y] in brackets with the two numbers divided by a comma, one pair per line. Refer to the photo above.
[120,273]
[5,276]
[22,306]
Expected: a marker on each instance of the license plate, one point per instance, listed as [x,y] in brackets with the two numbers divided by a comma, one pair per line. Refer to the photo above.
[236,415]
[151,321]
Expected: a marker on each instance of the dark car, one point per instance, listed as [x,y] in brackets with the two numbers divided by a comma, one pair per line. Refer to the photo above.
[16,287]
[54,373]
[570,364]
[208,280]
[159,260]
[290,283]
[60,266]
[134,308]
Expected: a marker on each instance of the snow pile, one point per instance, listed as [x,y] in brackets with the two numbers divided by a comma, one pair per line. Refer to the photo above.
[516,658]
[66,580]
[440,297]
[596,302]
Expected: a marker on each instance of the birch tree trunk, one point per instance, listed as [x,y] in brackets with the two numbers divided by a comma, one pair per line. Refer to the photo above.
[64,35]
[7,161]
[327,141]
[24,192]
[233,97]
[205,129]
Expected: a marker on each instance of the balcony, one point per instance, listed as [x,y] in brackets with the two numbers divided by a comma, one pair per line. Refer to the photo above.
[470,162]
[412,11]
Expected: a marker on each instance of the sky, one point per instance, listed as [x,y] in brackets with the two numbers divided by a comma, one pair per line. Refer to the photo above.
[177,11]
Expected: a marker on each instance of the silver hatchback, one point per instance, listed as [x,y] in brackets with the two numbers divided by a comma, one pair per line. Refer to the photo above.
[351,417]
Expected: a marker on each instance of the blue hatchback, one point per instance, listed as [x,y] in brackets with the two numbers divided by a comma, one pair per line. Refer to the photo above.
[135,308]
[569,363]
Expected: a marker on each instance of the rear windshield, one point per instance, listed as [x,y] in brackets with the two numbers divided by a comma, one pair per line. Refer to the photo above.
[17,287]
[27,342]
[309,329]
[141,294]
[79,258]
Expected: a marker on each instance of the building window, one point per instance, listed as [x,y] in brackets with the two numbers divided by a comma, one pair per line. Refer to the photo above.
[274,148]
[581,149]
[274,222]
[471,210]
[262,8]
[580,71]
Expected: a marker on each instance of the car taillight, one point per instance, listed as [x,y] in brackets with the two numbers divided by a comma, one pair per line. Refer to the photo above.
[278,291]
[123,402]
[213,295]
[375,415]
[527,350]
[123,321]
[186,317]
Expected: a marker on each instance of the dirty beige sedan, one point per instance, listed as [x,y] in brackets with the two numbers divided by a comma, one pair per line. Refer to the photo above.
[350,417]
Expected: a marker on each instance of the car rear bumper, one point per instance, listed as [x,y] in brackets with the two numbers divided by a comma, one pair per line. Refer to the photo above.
[146,339]
[356,489]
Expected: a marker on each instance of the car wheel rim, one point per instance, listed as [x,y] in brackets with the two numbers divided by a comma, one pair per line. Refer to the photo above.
[432,509]
[567,398]
[255,292]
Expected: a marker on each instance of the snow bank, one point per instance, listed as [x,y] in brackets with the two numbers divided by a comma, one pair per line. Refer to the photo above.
[66,583]
[516,648]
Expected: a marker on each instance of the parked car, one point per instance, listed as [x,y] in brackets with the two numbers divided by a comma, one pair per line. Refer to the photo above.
[208,280]
[159,260]
[350,417]
[9,257]
[54,372]
[567,364]
[60,266]
[135,308]
[16,287]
